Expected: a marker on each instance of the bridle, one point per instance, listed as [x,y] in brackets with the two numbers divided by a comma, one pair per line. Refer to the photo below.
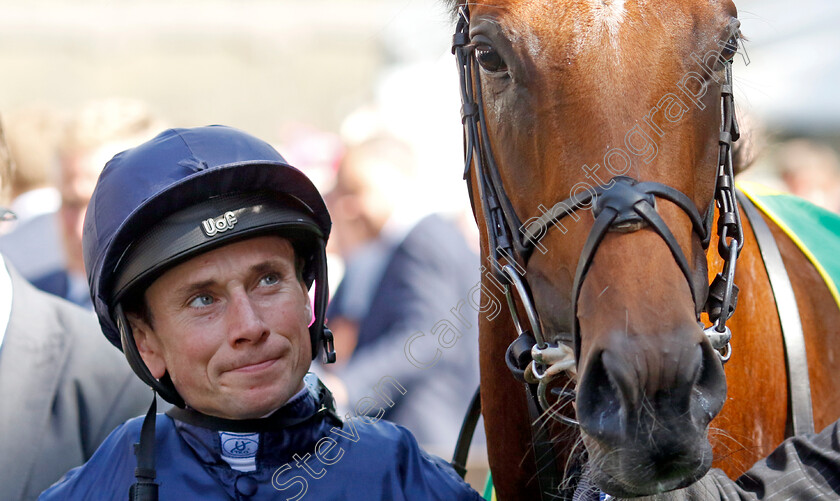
[623,204]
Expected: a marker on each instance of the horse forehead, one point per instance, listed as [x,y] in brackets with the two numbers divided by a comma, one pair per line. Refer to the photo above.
[606,14]
[583,25]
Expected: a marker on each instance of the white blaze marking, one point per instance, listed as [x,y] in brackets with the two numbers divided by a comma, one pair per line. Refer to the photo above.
[611,14]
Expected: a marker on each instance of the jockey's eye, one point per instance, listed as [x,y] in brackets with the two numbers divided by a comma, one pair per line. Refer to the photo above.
[489,59]
[729,48]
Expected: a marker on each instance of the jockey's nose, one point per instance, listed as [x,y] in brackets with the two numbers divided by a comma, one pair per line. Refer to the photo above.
[245,323]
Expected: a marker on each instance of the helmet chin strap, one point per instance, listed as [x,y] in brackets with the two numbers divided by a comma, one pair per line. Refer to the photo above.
[319,330]
[145,488]
[274,421]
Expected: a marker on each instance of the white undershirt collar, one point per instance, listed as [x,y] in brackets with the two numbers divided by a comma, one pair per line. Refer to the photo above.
[239,450]
[35,203]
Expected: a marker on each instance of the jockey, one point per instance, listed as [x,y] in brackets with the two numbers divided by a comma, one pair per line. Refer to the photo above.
[201,247]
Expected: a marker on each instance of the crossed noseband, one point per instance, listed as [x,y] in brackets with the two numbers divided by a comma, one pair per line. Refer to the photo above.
[625,205]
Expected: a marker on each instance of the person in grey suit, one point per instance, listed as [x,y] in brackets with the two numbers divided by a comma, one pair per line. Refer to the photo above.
[62,387]
[404,275]
[32,243]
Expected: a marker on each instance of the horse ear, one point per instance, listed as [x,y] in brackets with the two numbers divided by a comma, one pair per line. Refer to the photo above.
[751,143]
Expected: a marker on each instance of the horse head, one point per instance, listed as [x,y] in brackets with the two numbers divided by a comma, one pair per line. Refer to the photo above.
[597,152]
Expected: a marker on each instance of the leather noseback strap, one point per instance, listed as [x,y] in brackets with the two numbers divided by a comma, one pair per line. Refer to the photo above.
[799,385]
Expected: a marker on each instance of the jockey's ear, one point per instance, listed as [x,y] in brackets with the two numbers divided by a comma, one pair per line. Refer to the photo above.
[148,345]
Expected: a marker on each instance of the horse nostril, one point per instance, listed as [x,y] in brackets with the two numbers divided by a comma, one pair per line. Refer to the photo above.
[686,388]
[710,386]
[599,402]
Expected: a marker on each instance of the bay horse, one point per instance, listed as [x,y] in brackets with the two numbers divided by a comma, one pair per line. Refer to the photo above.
[598,154]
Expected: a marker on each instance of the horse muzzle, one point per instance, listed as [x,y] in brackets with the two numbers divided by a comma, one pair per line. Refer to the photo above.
[644,411]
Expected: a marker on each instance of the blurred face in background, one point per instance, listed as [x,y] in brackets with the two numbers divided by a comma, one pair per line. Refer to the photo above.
[96,132]
[369,186]
[79,172]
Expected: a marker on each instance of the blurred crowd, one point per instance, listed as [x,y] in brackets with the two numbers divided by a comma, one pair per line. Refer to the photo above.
[808,167]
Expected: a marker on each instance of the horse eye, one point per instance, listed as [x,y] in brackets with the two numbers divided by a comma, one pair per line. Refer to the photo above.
[489,59]
[729,48]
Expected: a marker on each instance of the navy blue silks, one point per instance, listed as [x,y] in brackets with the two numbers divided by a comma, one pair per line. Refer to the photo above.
[316,460]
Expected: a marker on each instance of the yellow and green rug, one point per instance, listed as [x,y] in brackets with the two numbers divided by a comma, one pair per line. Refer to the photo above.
[816,231]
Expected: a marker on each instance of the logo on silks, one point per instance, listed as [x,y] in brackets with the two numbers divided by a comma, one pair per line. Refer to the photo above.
[221,224]
[240,445]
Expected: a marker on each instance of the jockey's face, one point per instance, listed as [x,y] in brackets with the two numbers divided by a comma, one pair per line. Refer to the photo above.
[230,328]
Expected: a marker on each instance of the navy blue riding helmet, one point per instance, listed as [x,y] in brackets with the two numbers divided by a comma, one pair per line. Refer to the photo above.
[181,194]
